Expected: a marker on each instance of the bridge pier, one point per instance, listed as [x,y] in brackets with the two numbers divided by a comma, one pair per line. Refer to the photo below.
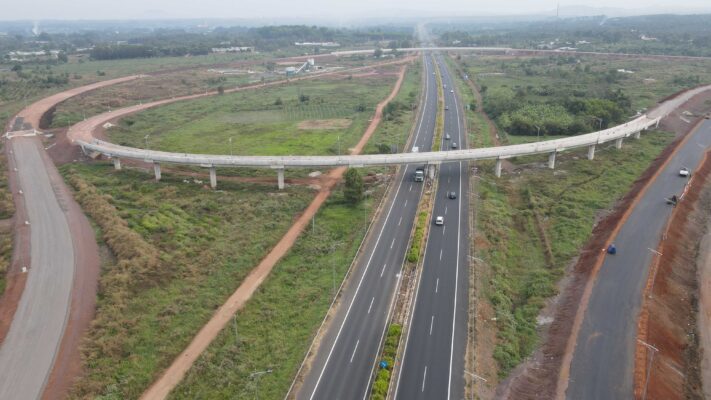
[591,152]
[213,177]
[280,178]
[156,169]
[618,143]
[497,168]
[657,124]
[551,160]
[637,134]
[431,171]
[117,163]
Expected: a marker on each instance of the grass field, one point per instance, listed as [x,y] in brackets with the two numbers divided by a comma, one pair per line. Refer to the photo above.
[650,80]
[521,215]
[276,327]
[199,244]
[260,122]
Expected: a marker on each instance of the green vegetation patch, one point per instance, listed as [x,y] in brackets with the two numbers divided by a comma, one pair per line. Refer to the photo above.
[177,251]
[275,329]
[564,205]
[382,379]
[260,122]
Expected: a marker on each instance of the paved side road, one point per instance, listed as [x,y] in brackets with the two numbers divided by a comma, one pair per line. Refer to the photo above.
[603,362]
[28,352]
[343,365]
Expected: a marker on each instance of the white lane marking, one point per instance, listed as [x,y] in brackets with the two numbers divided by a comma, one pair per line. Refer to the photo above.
[371,304]
[445,210]
[456,275]
[449,179]
[437,286]
[424,378]
[392,244]
[399,222]
[440,254]
[354,350]
[383,270]
[410,188]
[405,203]
[360,282]
[431,325]
[444,229]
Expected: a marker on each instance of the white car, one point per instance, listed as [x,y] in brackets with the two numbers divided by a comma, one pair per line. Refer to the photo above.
[684,172]
[451,91]
[439,220]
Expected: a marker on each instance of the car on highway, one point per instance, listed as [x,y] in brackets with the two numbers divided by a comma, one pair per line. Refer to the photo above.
[439,220]
[451,91]
[454,145]
[446,107]
[446,136]
[452,195]
[684,172]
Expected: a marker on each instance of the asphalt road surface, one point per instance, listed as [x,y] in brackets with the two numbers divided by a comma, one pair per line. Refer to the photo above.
[28,352]
[603,362]
[343,367]
[433,361]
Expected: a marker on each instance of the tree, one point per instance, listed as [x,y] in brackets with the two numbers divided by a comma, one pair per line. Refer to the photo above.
[221,90]
[378,53]
[353,190]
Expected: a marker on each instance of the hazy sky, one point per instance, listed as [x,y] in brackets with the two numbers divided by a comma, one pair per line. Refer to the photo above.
[336,9]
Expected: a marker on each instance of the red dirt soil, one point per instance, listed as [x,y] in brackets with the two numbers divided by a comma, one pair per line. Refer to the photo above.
[546,377]
[670,296]
[180,366]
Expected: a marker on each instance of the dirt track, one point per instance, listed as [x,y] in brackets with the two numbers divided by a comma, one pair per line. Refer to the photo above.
[180,366]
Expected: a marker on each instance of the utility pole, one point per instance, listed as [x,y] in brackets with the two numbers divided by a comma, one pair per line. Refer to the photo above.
[654,350]
[538,133]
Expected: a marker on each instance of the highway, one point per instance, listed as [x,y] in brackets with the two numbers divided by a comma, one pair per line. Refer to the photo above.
[31,345]
[603,361]
[433,363]
[345,360]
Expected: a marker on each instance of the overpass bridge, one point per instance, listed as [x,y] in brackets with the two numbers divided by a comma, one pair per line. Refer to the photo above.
[280,163]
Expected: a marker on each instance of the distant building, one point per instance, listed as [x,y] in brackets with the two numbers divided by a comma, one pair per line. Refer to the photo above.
[648,38]
[234,49]
[320,44]
[21,56]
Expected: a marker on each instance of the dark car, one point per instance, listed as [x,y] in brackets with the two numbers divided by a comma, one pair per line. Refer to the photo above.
[452,195]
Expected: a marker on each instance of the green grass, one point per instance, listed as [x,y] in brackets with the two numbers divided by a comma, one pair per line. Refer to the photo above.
[567,200]
[394,132]
[277,325]
[205,241]
[256,124]
[382,379]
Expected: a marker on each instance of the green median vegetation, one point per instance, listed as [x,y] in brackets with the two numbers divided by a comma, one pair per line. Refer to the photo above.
[413,254]
[382,378]
[516,212]
[7,210]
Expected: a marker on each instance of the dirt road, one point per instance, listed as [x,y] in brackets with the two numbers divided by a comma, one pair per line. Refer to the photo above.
[180,366]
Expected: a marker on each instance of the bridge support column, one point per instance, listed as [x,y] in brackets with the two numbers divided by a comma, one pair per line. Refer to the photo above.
[637,135]
[551,160]
[431,171]
[117,163]
[213,177]
[280,178]
[657,124]
[618,143]
[591,152]
[156,169]
[497,168]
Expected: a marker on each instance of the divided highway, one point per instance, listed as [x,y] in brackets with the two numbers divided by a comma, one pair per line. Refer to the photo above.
[343,366]
[603,362]
[433,362]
